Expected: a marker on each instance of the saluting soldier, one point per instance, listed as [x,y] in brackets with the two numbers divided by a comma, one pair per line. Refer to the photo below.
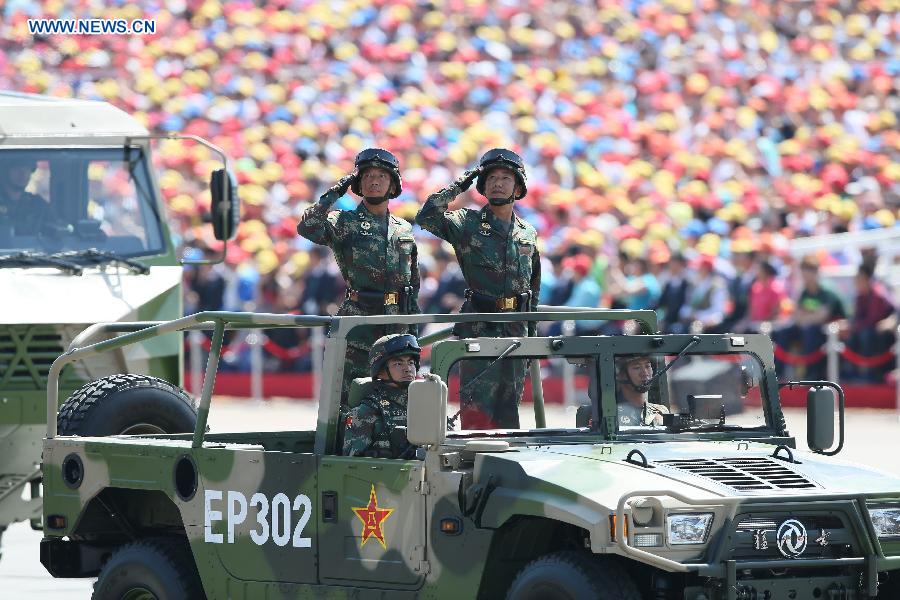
[375,251]
[394,363]
[497,252]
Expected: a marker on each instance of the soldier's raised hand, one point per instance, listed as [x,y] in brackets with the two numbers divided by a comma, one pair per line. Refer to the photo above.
[338,189]
[465,180]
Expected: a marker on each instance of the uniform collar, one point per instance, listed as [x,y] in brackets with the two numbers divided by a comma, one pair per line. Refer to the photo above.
[363,211]
[498,225]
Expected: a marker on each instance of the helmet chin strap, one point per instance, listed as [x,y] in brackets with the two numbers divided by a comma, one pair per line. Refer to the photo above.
[503,201]
[642,388]
[400,384]
[376,199]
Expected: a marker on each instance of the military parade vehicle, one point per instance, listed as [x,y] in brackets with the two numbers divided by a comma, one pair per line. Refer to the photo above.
[695,491]
[84,239]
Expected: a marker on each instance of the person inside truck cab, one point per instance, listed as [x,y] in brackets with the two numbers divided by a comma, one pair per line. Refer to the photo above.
[394,364]
[634,375]
[21,212]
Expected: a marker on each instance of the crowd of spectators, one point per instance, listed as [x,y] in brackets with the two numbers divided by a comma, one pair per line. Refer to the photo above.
[673,147]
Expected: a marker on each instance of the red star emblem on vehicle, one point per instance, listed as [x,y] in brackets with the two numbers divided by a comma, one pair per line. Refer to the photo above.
[372,517]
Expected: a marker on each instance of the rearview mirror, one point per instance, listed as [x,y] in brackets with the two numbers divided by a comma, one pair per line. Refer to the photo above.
[819,418]
[706,406]
[226,208]
[426,418]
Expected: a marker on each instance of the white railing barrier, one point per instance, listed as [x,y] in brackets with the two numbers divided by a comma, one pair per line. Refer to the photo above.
[833,349]
[195,350]
[568,369]
[316,348]
[256,339]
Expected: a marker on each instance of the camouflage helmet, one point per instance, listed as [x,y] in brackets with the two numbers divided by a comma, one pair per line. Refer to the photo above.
[623,361]
[389,346]
[501,157]
[382,159]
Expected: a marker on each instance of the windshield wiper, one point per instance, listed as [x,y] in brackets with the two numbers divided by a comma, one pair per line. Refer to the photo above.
[710,427]
[27,259]
[646,387]
[105,256]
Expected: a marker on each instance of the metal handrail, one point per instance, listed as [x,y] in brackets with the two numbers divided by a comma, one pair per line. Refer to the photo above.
[134,333]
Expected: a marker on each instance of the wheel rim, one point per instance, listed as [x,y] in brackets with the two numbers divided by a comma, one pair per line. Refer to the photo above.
[139,593]
[142,429]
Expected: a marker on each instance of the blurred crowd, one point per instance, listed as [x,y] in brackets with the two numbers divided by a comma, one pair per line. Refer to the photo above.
[674,147]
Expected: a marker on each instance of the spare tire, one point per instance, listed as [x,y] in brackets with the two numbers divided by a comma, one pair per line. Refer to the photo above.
[129,405]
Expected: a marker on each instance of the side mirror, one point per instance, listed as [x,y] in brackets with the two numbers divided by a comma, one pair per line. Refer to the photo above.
[426,418]
[819,419]
[226,208]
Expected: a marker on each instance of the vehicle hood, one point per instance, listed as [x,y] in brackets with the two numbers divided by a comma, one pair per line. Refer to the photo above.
[100,294]
[586,478]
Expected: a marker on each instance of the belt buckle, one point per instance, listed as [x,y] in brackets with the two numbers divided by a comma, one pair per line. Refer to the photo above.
[508,303]
[391,299]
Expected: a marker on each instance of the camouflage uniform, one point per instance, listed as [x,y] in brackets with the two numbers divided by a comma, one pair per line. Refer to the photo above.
[498,260]
[376,255]
[370,424]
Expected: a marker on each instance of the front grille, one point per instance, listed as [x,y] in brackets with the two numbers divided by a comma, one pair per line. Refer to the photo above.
[756,536]
[744,474]
[26,354]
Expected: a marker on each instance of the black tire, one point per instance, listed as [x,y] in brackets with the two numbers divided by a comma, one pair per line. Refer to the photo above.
[572,575]
[126,404]
[149,569]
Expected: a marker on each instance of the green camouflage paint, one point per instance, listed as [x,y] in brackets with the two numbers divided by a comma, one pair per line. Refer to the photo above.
[279,515]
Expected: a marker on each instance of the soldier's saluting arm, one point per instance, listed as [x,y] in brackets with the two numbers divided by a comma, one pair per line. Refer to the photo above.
[434,216]
[319,224]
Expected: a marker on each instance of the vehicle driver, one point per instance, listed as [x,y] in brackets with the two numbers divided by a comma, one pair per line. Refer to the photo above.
[20,209]
[394,361]
[633,376]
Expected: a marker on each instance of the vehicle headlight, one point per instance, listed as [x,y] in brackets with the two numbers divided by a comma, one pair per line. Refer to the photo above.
[688,528]
[886,521]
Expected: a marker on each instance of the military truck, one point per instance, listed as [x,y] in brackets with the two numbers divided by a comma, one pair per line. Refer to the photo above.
[704,496]
[84,239]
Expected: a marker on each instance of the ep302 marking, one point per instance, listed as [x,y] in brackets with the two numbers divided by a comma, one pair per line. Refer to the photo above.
[273,519]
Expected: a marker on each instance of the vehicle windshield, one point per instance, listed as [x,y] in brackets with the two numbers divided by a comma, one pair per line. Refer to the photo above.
[693,392]
[697,393]
[77,199]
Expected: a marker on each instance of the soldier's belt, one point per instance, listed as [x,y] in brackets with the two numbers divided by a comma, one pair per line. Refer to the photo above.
[486,303]
[374,298]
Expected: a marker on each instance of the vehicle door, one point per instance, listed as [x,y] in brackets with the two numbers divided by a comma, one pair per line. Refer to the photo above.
[372,522]
[258,511]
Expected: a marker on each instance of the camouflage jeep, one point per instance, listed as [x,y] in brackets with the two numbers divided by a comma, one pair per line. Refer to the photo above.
[685,485]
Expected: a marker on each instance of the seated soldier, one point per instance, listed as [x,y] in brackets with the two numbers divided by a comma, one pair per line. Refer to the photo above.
[394,362]
[23,211]
[633,376]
